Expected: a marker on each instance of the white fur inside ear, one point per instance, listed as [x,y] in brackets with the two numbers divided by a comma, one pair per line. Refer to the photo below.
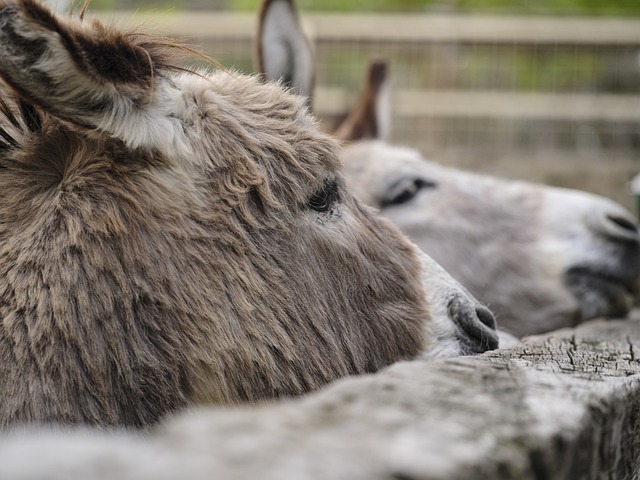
[158,125]
[139,116]
[384,111]
[285,51]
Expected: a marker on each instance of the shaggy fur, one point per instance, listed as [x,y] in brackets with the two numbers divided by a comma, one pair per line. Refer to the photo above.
[461,325]
[170,238]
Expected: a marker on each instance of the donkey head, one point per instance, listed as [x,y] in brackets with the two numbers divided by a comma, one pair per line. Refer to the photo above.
[283,54]
[542,258]
[171,237]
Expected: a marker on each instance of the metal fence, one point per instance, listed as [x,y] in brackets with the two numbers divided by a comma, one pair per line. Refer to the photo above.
[545,99]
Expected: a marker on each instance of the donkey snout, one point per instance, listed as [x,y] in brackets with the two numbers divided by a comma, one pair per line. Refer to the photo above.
[476,325]
[616,224]
[461,325]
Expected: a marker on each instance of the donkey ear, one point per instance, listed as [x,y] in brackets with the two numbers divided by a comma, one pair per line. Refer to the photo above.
[371,116]
[283,51]
[91,75]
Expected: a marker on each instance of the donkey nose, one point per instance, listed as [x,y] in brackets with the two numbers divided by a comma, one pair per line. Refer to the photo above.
[626,223]
[616,224]
[486,317]
[476,323]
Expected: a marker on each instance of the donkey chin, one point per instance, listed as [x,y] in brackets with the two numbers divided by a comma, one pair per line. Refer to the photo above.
[461,324]
[600,294]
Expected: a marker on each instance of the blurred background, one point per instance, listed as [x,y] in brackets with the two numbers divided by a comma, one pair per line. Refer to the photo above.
[541,90]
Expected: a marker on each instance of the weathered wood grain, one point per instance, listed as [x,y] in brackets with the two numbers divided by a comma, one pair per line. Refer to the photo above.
[560,406]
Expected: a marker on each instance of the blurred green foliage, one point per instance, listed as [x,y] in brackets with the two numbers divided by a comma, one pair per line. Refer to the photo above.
[516,7]
[545,7]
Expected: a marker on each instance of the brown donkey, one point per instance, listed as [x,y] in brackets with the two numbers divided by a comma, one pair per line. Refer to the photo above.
[171,238]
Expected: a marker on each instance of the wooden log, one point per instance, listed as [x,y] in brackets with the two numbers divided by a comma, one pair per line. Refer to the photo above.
[559,406]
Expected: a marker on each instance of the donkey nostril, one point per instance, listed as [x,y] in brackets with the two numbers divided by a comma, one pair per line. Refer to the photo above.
[623,222]
[476,323]
[486,317]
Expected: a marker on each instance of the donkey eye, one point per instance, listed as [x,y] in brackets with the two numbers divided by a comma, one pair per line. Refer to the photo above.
[404,190]
[323,199]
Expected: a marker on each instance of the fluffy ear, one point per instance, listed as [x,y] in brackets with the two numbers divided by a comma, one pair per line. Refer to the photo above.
[283,51]
[90,75]
[371,116]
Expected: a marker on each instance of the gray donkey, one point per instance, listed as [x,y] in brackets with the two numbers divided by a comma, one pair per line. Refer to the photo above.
[540,257]
[172,237]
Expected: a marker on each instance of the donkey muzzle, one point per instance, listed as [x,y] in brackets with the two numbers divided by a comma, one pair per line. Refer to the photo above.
[460,324]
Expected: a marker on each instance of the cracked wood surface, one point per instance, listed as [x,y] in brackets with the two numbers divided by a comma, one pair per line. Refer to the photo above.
[558,406]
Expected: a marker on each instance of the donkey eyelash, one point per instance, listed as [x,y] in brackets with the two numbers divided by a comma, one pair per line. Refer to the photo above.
[325,198]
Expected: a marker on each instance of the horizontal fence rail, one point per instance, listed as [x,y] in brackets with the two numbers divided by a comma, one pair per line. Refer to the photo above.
[399,28]
[203,27]
[497,104]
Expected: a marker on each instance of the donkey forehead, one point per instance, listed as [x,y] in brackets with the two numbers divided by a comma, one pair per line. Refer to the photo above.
[378,155]
[374,167]
[377,163]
